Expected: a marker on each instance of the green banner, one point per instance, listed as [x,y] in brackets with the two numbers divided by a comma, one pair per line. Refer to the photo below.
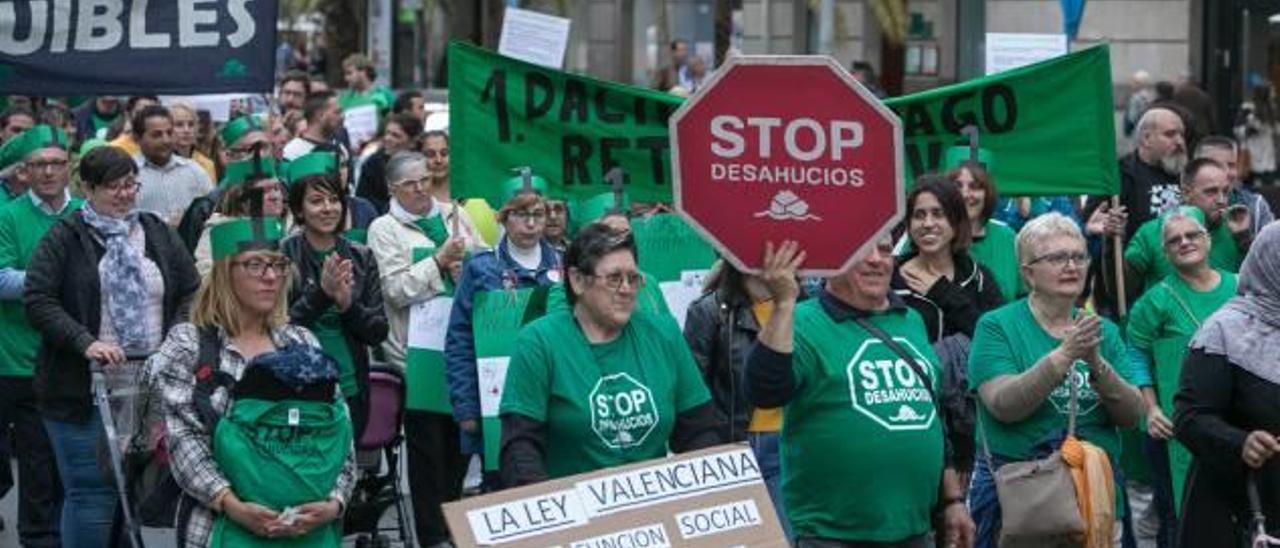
[425,385]
[1048,126]
[570,129]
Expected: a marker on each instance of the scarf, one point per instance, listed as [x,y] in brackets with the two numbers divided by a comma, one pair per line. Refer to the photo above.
[431,224]
[1247,328]
[1095,490]
[121,278]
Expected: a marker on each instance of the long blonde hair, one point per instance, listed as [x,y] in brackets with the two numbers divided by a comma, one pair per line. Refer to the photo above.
[216,304]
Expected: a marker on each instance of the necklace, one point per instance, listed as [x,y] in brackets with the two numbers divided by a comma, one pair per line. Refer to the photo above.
[1042,319]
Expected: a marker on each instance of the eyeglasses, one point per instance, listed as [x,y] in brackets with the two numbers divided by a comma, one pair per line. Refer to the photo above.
[614,280]
[123,185]
[48,165]
[441,153]
[1191,236]
[239,153]
[258,267]
[537,215]
[1060,259]
[420,184]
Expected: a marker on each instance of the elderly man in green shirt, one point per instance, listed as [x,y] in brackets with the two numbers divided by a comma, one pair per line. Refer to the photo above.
[1206,186]
[39,156]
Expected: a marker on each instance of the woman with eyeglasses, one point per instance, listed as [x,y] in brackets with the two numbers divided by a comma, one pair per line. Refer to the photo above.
[1226,412]
[601,384]
[105,282]
[419,246]
[1023,356]
[258,438]
[522,260]
[1160,326]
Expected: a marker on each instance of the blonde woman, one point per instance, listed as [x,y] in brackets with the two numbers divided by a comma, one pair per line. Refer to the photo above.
[186,130]
[241,311]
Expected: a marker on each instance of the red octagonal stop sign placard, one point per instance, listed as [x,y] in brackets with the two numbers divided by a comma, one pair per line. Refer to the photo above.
[791,147]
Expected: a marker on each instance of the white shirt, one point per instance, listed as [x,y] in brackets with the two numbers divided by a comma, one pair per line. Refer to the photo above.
[168,190]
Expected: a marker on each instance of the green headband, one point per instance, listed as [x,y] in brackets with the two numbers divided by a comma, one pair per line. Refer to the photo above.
[245,234]
[39,137]
[238,128]
[517,185]
[315,163]
[253,169]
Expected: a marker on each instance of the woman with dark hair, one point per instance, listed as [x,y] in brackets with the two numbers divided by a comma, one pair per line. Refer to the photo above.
[337,293]
[601,350]
[402,131]
[993,241]
[139,284]
[721,327]
[937,277]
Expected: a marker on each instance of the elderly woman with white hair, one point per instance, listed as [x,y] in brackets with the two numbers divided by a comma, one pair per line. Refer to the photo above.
[1027,355]
[1159,327]
[1225,407]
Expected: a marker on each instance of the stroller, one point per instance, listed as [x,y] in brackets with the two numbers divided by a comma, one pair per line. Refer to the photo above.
[1258,524]
[115,394]
[381,441]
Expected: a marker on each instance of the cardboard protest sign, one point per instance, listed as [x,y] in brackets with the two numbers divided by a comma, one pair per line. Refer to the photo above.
[47,48]
[1048,125]
[425,388]
[570,129]
[497,318]
[714,497]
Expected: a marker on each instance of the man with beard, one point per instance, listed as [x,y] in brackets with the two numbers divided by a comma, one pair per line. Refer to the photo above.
[1225,151]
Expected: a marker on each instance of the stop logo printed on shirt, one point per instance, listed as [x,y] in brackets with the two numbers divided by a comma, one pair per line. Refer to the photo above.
[1087,399]
[623,412]
[885,387]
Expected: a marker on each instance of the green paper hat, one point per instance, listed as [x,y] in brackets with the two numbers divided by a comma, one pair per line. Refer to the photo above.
[31,140]
[91,144]
[255,168]
[1184,211]
[315,163]
[959,155]
[525,182]
[245,234]
[238,128]
[596,207]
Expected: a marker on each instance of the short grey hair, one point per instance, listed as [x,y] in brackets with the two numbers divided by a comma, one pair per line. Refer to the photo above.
[1147,122]
[401,163]
[1042,228]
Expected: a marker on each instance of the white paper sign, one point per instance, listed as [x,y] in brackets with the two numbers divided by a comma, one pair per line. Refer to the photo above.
[667,482]
[527,517]
[361,123]
[429,322]
[653,535]
[718,519]
[680,294]
[534,37]
[1012,50]
[493,376]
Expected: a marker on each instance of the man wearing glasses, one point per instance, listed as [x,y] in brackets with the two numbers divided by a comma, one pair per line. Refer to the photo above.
[41,159]
[1206,186]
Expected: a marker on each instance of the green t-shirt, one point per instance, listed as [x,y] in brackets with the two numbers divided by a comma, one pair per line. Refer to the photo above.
[1008,341]
[22,225]
[328,330]
[996,250]
[1145,252]
[862,419]
[603,404]
[649,299]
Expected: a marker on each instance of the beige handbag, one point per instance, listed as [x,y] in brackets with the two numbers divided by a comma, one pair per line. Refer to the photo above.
[1038,504]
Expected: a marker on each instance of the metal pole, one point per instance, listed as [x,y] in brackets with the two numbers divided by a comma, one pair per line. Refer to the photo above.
[826,27]
[1244,54]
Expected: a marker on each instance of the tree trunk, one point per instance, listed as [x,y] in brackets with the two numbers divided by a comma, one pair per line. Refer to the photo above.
[344,27]
[724,29]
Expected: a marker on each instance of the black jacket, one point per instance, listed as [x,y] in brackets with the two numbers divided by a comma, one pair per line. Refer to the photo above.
[64,303]
[364,323]
[951,307]
[720,334]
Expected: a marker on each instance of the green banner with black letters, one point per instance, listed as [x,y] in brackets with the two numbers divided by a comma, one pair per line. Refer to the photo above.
[1048,126]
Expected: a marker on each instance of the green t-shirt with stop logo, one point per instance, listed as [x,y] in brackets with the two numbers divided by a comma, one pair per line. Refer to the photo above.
[603,404]
[862,443]
[1009,341]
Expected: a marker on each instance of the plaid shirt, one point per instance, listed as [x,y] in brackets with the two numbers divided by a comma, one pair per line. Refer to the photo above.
[189,443]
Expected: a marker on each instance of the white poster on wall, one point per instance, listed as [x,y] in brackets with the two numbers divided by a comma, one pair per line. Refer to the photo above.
[1007,50]
[535,37]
